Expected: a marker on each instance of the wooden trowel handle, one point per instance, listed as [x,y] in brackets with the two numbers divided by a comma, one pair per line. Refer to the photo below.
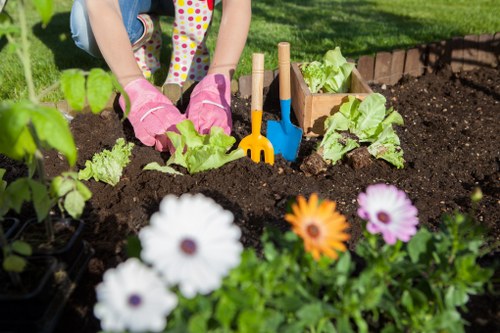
[284,70]
[257,81]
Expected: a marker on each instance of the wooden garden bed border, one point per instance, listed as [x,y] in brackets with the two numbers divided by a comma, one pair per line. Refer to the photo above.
[460,53]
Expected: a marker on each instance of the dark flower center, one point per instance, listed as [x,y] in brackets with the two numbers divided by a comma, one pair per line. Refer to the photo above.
[383,217]
[312,230]
[134,300]
[188,246]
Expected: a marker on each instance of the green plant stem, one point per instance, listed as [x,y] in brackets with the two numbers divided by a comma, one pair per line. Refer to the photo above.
[40,170]
[25,47]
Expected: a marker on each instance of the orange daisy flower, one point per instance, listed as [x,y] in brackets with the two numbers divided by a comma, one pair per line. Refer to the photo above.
[319,225]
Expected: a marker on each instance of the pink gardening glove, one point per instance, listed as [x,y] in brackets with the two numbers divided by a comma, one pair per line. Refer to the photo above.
[210,104]
[151,114]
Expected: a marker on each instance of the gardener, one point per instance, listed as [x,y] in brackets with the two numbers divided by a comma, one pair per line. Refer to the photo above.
[127,35]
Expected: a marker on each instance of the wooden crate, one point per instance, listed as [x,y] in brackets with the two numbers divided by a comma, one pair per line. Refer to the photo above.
[311,109]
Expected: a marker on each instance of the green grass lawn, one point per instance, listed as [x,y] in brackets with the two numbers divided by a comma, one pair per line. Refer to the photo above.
[311,26]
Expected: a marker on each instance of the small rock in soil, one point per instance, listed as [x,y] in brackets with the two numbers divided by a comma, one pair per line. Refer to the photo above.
[313,165]
[359,158]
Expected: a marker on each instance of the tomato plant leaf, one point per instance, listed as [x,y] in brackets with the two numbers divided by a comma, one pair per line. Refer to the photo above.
[73,87]
[99,89]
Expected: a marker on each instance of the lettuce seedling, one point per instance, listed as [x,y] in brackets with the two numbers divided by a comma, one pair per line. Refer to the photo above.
[107,166]
[359,122]
[197,152]
[329,76]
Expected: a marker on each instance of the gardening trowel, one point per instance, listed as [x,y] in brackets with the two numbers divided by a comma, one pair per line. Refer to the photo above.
[284,135]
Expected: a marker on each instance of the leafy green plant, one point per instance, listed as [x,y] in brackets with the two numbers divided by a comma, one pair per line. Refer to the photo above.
[13,253]
[27,129]
[332,75]
[415,287]
[107,166]
[197,152]
[363,122]
[70,193]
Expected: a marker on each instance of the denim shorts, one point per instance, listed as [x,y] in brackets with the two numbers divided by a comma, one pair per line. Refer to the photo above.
[81,31]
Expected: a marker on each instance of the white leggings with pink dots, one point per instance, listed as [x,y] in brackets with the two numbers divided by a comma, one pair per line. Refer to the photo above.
[190,58]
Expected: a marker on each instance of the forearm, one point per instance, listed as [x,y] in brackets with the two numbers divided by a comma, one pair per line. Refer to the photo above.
[233,32]
[112,39]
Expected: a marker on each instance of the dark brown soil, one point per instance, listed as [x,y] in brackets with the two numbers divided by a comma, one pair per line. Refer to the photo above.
[450,143]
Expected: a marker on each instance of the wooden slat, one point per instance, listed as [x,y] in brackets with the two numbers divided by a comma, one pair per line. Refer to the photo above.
[457,54]
[358,84]
[485,56]
[245,86]
[366,66]
[414,63]
[471,45]
[495,48]
[397,66]
[436,56]
[382,70]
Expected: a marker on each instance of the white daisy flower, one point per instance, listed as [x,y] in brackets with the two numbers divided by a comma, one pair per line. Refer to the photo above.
[133,297]
[192,242]
[389,211]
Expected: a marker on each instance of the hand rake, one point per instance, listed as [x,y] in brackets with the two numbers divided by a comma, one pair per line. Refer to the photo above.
[256,142]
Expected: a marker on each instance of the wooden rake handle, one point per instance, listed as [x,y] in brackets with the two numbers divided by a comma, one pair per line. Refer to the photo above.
[257,91]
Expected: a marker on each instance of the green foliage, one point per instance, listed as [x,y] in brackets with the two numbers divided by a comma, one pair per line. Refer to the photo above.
[197,152]
[95,87]
[107,166]
[70,193]
[413,287]
[330,76]
[359,122]
[45,9]
[27,127]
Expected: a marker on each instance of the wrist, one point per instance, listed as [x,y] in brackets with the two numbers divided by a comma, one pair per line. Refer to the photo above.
[227,71]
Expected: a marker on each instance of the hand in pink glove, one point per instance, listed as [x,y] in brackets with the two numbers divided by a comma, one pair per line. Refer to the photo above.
[151,114]
[210,104]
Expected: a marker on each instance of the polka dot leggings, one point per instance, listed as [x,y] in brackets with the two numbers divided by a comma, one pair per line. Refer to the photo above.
[190,56]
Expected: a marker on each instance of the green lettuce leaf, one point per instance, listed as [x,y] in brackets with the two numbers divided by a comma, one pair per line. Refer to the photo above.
[155,166]
[314,75]
[359,122]
[107,166]
[332,75]
[197,152]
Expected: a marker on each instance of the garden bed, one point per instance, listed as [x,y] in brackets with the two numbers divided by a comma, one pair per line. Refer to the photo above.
[450,145]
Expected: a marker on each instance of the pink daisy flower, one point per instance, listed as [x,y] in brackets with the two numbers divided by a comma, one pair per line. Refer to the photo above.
[388,211]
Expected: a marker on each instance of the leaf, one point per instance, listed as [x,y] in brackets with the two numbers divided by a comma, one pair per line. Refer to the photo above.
[17,193]
[21,248]
[225,311]
[14,264]
[371,113]
[45,9]
[310,314]
[60,186]
[155,166]
[73,87]
[74,203]
[49,126]
[107,166]
[198,152]
[41,199]
[99,89]
[419,245]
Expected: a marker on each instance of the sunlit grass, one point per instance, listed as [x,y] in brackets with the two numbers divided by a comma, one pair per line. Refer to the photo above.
[312,27]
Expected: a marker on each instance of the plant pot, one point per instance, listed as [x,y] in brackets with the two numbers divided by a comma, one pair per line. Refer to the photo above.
[39,309]
[66,250]
[311,109]
[28,306]
[10,227]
